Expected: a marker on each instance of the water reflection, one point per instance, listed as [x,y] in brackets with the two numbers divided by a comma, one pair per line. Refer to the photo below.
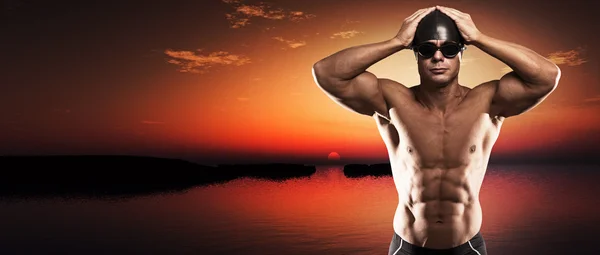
[527,210]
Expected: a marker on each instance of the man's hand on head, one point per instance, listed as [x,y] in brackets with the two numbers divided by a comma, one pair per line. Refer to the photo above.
[465,24]
[409,26]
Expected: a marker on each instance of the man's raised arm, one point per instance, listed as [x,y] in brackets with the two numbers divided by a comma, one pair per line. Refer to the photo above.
[533,77]
[343,75]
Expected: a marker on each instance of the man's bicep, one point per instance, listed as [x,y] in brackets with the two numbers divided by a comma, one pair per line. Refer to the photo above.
[513,96]
[363,95]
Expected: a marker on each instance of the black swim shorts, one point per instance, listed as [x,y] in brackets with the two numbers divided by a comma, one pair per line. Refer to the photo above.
[475,246]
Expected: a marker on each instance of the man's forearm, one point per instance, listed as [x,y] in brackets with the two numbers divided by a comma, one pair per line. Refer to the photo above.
[527,64]
[348,63]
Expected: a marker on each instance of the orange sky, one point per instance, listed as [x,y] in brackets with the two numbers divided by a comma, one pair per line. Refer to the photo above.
[224,81]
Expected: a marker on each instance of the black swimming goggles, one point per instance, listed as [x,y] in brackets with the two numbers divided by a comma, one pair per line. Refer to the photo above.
[449,50]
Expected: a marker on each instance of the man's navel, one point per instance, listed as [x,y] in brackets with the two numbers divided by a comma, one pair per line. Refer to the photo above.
[472,149]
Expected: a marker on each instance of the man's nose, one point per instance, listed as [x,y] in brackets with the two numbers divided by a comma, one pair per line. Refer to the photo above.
[438,55]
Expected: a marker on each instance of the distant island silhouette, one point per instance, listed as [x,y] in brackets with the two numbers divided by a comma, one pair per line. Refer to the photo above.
[98,175]
[361,170]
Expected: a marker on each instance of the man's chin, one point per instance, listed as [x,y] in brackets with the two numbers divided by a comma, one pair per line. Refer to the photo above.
[440,80]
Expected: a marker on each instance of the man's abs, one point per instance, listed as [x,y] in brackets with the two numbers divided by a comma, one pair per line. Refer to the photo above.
[436,209]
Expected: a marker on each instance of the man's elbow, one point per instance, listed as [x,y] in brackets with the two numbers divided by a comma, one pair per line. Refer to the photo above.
[317,68]
[555,75]
[551,80]
[318,64]
[321,76]
[317,73]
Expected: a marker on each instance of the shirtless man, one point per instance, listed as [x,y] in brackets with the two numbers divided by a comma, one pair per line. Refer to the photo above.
[439,134]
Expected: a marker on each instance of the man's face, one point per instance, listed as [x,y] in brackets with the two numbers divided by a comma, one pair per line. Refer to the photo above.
[450,65]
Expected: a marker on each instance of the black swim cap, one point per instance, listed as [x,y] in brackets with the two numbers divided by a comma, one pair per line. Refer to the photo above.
[437,26]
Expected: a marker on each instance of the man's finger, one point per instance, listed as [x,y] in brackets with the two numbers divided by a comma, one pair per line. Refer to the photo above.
[416,14]
[450,14]
[456,12]
[423,14]
[412,16]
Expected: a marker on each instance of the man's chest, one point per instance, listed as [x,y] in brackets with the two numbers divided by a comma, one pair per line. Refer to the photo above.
[451,139]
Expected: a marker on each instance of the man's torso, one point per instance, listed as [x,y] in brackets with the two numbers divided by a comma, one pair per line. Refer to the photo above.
[438,163]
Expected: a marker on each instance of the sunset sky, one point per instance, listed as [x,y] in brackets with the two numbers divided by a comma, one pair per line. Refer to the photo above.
[222,81]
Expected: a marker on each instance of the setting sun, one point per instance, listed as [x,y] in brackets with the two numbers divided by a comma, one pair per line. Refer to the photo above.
[333,156]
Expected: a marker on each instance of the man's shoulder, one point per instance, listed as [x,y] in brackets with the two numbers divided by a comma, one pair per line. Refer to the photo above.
[394,88]
[485,93]
[486,88]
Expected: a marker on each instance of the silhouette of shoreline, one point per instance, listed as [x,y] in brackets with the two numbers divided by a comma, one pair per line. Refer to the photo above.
[97,176]
[118,176]
[361,170]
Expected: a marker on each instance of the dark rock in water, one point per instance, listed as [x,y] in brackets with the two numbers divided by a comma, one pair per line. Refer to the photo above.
[122,175]
[361,170]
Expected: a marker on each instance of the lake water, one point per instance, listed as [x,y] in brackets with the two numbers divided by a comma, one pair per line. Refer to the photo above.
[526,210]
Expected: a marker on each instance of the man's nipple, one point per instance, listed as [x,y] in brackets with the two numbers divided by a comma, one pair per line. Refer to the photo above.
[472,149]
